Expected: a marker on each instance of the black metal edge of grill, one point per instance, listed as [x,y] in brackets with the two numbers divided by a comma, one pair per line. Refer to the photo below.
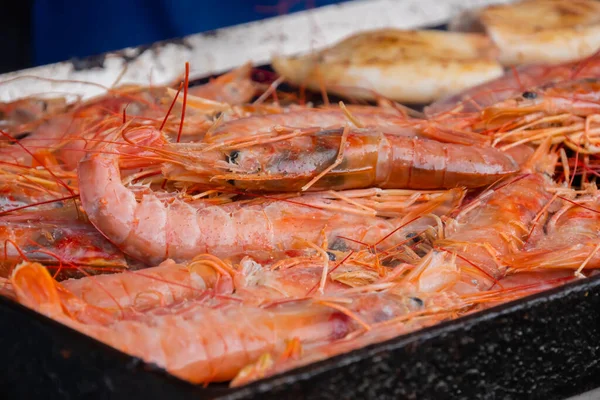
[545,346]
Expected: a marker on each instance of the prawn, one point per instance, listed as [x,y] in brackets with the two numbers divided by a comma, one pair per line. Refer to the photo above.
[494,226]
[386,119]
[571,240]
[202,344]
[341,159]
[513,83]
[421,310]
[234,88]
[160,286]
[153,231]
[565,111]
[68,246]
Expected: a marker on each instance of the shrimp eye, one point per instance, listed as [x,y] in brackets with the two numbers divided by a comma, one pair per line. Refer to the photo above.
[418,301]
[21,135]
[233,156]
[529,95]
[331,256]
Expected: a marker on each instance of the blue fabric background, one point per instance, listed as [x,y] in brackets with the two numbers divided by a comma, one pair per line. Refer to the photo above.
[63,29]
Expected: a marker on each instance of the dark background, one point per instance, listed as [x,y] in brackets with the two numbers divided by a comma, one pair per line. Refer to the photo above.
[37,32]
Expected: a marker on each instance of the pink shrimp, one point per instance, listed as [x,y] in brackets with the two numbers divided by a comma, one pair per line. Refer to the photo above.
[166,284]
[387,120]
[16,114]
[235,87]
[571,240]
[422,310]
[342,159]
[70,247]
[470,257]
[153,231]
[512,84]
[201,344]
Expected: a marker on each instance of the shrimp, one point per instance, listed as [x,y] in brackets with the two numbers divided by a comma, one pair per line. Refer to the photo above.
[564,111]
[163,285]
[422,310]
[15,114]
[68,135]
[385,119]
[235,87]
[343,159]
[68,246]
[471,255]
[571,240]
[201,344]
[510,85]
[153,231]
[169,284]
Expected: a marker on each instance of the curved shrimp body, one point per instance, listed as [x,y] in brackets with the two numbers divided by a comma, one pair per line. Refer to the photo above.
[471,256]
[153,231]
[343,159]
[572,240]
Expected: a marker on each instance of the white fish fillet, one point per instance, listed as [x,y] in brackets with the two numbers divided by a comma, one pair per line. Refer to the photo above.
[537,31]
[405,66]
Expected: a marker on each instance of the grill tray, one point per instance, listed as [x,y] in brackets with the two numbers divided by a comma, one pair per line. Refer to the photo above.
[545,346]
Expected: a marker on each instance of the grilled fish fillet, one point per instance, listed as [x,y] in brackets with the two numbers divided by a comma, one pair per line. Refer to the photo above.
[537,31]
[405,66]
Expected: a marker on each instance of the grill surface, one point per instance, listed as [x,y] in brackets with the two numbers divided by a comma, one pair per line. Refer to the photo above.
[542,347]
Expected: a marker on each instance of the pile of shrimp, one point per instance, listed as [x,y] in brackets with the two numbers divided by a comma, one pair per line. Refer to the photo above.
[234,230]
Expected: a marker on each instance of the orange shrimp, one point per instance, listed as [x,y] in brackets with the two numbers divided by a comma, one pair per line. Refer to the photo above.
[342,159]
[197,343]
[205,276]
[70,247]
[166,284]
[470,257]
[153,231]
[388,120]
[567,112]
[15,114]
[235,87]
[421,310]
[513,83]
[571,240]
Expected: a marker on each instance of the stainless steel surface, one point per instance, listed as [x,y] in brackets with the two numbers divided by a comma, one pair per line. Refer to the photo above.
[218,51]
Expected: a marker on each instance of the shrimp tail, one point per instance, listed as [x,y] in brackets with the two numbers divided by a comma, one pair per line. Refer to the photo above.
[35,288]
